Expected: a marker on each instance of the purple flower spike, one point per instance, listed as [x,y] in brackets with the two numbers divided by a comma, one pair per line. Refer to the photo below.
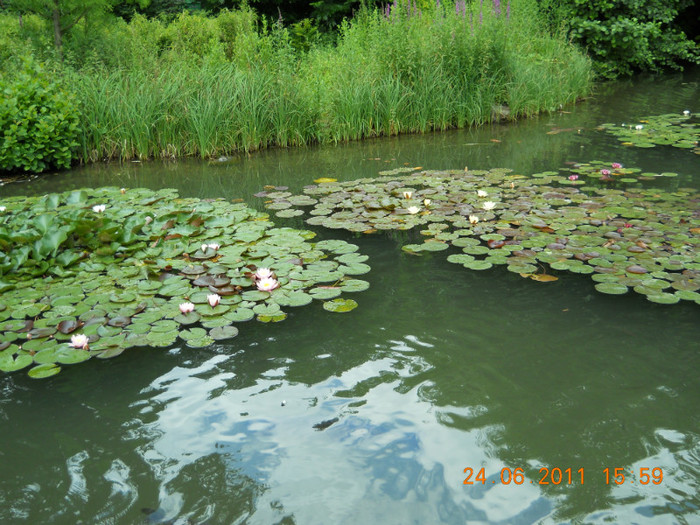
[497,7]
[508,11]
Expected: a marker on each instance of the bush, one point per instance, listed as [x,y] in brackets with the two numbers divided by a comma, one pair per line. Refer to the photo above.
[39,121]
[627,36]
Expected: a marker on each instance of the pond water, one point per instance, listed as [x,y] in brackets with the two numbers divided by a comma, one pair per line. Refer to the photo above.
[378,415]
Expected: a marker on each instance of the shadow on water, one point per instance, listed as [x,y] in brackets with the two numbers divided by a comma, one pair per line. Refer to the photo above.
[373,416]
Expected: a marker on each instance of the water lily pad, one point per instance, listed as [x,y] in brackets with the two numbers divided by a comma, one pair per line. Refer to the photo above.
[325,292]
[612,288]
[340,305]
[296,298]
[240,314]
[353,285]
[279,316]
[223,332]
[44,371]
[663,298]
[69,356]
[12,363]
[478,265]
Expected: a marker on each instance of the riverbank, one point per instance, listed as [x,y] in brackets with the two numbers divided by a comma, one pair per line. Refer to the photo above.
[211,86]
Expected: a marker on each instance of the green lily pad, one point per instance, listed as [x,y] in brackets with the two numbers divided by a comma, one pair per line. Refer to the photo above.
[340,305]
[663,298]
[612,288]
[353,285]
[279,316]
[43,371]
[10,363]
[240,314]
[69,356]
[223,332]
[478,265]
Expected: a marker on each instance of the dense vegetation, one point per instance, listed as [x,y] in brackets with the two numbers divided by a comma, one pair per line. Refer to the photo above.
[627,36]
[210,85]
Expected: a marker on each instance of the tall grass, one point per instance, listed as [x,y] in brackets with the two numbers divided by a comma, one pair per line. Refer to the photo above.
[228,84]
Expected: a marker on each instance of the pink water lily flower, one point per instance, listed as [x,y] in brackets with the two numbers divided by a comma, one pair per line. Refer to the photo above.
[605,173]
[616,166]
[79,341]
[213,299]
[263,273]
[267,284]
[186,308]
[573,177]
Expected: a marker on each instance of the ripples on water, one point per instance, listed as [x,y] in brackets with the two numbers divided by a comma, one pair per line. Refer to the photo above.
[372,417]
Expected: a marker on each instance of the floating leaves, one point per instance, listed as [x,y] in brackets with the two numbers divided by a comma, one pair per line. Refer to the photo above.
[340,305]
[638,239]
[671,129]
[115,280]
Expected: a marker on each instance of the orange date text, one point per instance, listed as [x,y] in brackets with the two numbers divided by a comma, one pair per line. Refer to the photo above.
[516,476]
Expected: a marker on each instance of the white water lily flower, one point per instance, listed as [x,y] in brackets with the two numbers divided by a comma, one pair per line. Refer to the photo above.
[122,191]
[481,193]
[473,219]
[79,341]
[204,247]
[427,202]
[99,208]
[214,246]
[686,112]
[489,205]
[213,299]
[2,208]
[263,273]
[186,308]
[413,210]
[638,127]
[149,220]
[407,194]
[267,284]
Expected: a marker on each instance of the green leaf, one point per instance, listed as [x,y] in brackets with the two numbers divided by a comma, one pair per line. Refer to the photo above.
[340,305]
[44,371]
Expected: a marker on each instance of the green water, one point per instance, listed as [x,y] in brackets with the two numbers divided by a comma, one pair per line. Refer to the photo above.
[438,370]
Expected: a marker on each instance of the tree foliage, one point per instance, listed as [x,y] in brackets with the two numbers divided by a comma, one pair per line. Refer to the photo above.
[625,36]
[63,14]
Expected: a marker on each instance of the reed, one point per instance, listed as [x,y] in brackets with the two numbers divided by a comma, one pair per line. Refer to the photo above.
[389,72]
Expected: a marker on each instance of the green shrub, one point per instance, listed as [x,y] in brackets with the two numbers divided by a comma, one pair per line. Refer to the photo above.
[626,36]
[39,121]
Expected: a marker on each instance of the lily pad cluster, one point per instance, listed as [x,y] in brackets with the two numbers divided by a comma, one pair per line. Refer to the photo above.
[671,129]
[90,273]
[646,240]
[607,173]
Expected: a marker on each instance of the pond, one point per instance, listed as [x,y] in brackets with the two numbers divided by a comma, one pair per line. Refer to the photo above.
[447,396]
